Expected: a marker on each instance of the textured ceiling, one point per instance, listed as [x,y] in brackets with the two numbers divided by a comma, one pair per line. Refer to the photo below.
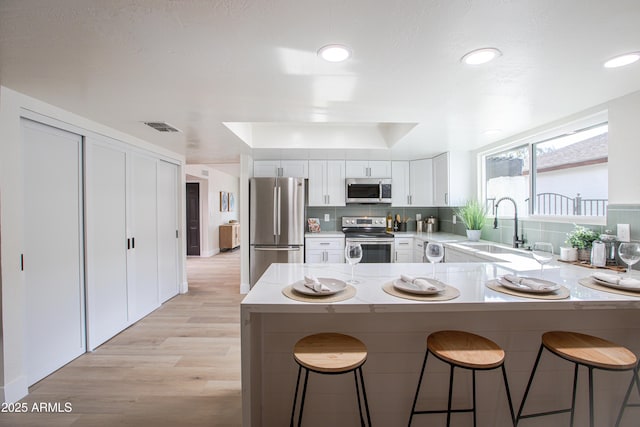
[198,64]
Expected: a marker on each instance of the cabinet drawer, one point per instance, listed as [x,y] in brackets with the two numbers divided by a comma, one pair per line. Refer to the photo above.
[403,243]
[325,243]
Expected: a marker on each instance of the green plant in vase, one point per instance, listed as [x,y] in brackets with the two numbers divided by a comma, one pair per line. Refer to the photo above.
[474,215]
[582,238]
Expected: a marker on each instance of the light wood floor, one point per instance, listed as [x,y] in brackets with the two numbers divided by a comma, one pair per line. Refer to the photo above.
[179,366]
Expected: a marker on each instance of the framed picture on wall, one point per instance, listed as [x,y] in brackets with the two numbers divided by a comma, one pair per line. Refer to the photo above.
[232,202]
[224,201]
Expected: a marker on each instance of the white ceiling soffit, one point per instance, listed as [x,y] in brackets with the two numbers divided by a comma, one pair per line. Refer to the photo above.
[324,136]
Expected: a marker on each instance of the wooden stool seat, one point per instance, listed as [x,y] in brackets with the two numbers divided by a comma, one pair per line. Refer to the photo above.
[462,350]
[589,350]
[465,349]
[330,352]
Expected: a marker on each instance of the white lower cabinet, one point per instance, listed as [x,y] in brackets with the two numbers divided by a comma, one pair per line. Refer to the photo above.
[403,249]
[324,250]
[418,250]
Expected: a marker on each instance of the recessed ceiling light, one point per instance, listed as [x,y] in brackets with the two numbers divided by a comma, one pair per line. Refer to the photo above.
[481,56]
[622,60]
[334,53]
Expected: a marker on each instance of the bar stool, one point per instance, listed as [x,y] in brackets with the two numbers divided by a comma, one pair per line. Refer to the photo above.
[580,349]
[330,354]
[467,351]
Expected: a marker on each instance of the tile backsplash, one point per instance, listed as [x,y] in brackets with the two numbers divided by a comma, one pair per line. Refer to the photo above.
[337,212]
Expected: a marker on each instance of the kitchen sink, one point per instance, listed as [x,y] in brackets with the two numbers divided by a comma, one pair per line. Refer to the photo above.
[492,249]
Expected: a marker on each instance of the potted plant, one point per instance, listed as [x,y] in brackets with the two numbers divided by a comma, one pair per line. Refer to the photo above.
[473,214]
[582,238]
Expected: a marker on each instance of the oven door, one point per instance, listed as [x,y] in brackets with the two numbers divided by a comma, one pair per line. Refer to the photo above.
[375,250]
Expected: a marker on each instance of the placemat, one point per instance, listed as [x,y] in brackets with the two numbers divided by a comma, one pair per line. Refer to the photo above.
[345,294]
[449,293]
[561,293]
[590,283]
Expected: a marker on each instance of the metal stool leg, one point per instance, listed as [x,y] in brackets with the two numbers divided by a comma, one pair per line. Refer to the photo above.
[474,397]
[573,398]
[636,381]
[526,392]
[295,397]
[364,396]
[415,399]
[591,420]
[304,394]
[451,368]
[355,376]
[506,387]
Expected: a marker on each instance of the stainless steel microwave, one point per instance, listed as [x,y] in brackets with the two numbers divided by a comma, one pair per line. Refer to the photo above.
[368,190]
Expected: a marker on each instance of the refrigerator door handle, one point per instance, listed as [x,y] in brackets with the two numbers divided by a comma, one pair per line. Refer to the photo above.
[275,216]
[293,249]
[279,208]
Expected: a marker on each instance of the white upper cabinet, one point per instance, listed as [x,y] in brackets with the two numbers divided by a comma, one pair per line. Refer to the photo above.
[400,192]
[368,169]
[326,183]
[274,168]
[451,179]
[412,183]
[421,182]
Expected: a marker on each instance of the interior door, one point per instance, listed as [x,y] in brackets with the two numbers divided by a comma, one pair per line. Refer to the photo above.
[106,238]
[167,230]
[143,231]
[193,218]
[53,248]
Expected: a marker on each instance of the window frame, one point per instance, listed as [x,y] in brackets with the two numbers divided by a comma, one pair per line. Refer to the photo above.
[530,139]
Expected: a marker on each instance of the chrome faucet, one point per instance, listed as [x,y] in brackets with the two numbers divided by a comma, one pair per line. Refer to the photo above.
[516,240]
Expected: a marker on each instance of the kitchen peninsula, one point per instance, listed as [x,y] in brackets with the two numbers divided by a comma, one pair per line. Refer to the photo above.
[395,330]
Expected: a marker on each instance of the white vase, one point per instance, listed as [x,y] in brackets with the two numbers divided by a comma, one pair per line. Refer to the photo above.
[568,254]
[474,235]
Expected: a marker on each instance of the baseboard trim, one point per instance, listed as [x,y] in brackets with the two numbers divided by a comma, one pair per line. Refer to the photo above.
[15,390]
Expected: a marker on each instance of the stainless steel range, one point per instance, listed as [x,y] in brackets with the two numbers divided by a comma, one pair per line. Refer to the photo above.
[369,231]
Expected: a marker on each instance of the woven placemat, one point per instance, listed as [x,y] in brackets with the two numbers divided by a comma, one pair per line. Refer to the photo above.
[345,294]
[561,293]
[590,283]
[449,293]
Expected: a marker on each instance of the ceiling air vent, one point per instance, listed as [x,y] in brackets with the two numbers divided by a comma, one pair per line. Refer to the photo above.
[162,126]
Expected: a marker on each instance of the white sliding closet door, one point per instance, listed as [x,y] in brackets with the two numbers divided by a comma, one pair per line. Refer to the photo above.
[143,228]
[53,248]
[167,230]
[106,248]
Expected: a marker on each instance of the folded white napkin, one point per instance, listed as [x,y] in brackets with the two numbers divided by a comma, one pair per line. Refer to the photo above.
[614,279]
[312,282]
[422,284]
[528,282]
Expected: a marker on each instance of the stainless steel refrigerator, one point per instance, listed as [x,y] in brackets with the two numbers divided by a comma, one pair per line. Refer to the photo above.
[276,228]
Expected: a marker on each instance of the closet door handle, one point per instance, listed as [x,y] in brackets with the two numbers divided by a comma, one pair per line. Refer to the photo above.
[128,244]
[133,243]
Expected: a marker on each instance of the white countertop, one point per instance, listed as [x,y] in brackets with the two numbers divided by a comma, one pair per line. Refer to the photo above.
[325,234]
[470,278]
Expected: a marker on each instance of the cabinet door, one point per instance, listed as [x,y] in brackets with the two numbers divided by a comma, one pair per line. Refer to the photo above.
[418,251]
[316,256]
[266,168]
[421,182]
[294,168]
[400,195]
[335,256]
[106,241]
[441,180]
[53,249]
[380,169]
[167,195]
[143,276]
[335,183]
[357,169]
[317,178]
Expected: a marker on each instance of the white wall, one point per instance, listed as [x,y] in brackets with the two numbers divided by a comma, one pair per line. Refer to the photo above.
[624,149]
[212,182]
[13,385]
